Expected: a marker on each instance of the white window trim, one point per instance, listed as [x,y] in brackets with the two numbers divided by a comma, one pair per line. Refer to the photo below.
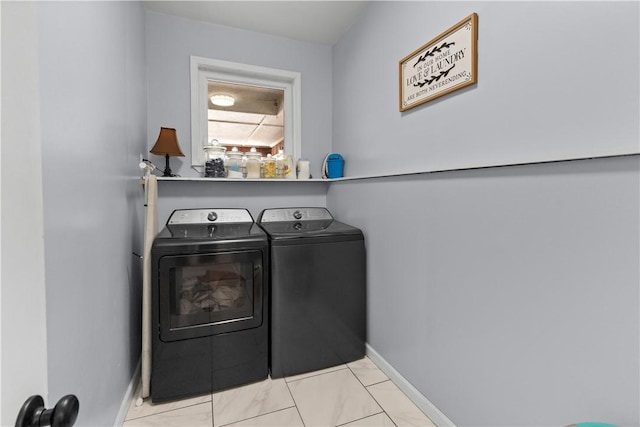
[204,69]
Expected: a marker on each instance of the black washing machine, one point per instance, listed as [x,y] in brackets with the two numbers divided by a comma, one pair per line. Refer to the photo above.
[318,290]
[210,312]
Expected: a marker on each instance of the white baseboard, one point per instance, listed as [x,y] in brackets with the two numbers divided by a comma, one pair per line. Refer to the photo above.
[128,397]
[429,409]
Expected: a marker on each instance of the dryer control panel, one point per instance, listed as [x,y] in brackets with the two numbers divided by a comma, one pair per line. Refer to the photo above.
[208,216]
[295,214]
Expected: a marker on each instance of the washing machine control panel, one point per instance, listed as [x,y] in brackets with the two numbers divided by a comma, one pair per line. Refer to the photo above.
[208,216]
[295,214]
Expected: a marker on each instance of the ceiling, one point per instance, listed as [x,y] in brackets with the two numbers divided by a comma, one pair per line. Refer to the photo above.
[309,21]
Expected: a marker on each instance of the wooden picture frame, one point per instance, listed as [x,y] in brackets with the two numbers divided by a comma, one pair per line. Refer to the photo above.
[445,64]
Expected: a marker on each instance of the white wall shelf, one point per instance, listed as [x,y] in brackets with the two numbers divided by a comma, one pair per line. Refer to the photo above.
[271,180]
[397,174]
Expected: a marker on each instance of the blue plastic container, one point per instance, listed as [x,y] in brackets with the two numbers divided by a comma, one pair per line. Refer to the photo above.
[335,166]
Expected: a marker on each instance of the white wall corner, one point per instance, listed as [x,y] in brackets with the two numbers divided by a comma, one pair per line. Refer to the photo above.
[425,405]
[128,397]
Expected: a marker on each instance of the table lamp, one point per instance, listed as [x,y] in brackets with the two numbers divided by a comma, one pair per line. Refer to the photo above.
[167,145]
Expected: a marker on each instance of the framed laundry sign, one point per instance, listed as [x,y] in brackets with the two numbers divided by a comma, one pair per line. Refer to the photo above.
[443,65]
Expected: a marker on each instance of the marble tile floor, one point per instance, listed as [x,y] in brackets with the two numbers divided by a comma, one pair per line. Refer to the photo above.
[355,394]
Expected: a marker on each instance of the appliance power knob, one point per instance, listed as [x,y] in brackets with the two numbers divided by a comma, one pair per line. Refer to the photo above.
[297,215]
[212,216]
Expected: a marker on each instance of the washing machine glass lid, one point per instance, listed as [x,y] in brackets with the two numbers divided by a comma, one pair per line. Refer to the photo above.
[210,223]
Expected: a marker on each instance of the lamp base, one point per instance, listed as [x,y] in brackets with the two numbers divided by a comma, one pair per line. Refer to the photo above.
[167,168]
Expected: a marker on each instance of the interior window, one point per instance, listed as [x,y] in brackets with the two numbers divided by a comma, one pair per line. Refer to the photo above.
[262,108]
[246,117]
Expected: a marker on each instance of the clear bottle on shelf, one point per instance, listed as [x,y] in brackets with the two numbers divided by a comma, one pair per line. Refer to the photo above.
[280,164]
[253,164]
[234,163]
[214,159]
[269,164]
[289,168]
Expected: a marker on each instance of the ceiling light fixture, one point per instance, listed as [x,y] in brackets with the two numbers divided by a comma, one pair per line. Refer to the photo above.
[223,100]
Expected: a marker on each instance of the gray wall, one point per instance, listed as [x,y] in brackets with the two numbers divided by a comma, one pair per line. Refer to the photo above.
[514,299]
[93,122]
[556,80]
[254,196]
[170,43]
[507,296]
[24,361]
